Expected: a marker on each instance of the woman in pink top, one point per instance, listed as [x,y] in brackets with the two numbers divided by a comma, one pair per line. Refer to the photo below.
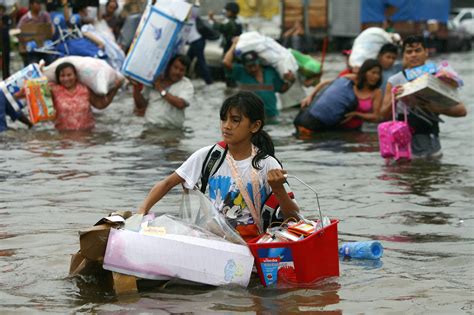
[369,95]
[72,100]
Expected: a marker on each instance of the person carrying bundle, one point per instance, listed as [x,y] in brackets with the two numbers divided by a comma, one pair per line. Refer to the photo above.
[249,173]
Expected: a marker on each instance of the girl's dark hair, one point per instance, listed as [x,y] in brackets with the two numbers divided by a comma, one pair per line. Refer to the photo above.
[182,58]
[251,106]
[368,65]
[63,66]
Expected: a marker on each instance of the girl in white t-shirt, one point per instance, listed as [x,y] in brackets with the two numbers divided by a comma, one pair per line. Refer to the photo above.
[248,175]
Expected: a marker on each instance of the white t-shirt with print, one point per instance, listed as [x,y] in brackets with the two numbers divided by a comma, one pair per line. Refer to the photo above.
[162,114]
[223,190]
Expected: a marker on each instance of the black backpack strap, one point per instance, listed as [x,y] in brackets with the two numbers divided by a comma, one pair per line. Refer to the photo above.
[214,159]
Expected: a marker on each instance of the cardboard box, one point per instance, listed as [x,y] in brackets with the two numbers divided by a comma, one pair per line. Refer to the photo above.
[93,241]
[429,89]
[80,265]
[155,41]
[15,83]
[195,259]
[37,32]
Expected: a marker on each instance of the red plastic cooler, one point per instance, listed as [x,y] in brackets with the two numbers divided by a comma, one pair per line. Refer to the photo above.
[301,262]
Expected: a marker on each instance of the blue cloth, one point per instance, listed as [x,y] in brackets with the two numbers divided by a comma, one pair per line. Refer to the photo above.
[373,11]
[6,109]
[79,47]
[330,105]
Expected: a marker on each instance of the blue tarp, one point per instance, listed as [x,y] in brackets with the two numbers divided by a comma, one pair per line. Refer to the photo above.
[372,11]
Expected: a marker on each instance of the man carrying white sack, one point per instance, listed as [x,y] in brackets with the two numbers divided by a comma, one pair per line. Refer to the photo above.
[252,76]
[163,105]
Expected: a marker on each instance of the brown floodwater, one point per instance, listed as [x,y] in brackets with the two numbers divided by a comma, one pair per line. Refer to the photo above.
[53,184]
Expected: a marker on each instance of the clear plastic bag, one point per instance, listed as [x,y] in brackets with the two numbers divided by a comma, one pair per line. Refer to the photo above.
[198,210]
[197,217]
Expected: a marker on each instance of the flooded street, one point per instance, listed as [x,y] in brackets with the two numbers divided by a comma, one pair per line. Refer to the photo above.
[54,184]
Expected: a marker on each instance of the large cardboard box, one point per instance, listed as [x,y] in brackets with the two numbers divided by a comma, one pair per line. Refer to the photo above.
[15,83]
[155,41]
[428,88]
[195,259]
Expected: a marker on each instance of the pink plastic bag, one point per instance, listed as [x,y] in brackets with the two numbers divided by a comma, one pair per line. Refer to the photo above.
[395,136]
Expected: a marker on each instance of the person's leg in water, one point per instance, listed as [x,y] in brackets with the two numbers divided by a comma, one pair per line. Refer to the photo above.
[196,49]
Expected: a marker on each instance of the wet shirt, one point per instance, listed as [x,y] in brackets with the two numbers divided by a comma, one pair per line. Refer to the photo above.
[387,73]
[223,190]
[160,113]
[266,90]
[73,108]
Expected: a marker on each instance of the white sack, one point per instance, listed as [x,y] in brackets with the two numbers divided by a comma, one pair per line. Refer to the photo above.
[367,45]
[269,50]
[95,73]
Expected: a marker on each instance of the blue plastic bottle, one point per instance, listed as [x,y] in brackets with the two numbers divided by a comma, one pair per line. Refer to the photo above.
[363,250]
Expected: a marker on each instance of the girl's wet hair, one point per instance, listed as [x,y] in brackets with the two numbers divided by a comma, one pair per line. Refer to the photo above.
[251,106]
[368,65]
[63,66]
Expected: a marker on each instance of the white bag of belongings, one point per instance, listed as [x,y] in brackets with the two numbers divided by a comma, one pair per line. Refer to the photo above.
[15,83]
[367,45]
[95,73]
[155,40]
[269,51]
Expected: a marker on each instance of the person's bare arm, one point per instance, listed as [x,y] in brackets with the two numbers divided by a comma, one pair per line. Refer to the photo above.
[102,101]
[174,100]
[276,178]
[229,55]
[158,191]
[308,99]
[386,109]
[374,115]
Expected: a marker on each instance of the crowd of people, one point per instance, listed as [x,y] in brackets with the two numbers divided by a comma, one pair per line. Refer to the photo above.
[357,95]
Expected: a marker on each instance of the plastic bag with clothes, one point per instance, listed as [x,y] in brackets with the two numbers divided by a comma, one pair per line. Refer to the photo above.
[447,73]
[368,43]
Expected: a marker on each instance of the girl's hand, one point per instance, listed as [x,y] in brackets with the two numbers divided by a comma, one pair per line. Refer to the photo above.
[348,117]
[276,178]
[305,102]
